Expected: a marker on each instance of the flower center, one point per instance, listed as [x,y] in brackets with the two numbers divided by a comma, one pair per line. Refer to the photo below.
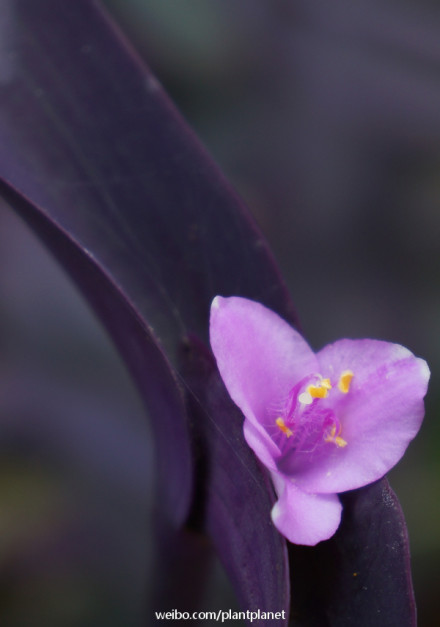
[308,418]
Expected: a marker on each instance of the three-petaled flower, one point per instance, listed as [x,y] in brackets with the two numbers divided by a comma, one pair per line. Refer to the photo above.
[321,423]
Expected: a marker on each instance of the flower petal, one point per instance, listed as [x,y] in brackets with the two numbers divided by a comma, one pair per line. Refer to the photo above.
[305,518]
[380,415]
[260,357]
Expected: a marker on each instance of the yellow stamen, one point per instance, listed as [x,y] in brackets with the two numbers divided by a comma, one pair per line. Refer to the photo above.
[317,391]
[340,441]
[282,426]
[345,381]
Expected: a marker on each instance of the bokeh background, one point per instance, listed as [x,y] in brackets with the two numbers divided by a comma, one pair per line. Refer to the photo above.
[326,118]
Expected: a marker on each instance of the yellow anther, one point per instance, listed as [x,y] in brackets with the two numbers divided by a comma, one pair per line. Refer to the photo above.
[320,390]
[340,441]
[282,426]
[345,381]
[317,391]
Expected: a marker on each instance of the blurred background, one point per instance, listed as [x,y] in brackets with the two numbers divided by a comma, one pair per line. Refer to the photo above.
[326,118]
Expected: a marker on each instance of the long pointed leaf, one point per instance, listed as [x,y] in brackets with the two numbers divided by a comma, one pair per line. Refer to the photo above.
[127,199]
[137,344]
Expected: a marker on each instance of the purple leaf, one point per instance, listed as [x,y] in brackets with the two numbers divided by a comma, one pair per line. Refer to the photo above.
[362,575]
[144,357]
[89,136]
[95,158]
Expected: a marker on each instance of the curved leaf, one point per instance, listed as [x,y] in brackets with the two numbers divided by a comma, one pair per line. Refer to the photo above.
[88,135]
[362,575]
[146,360]
[95,158]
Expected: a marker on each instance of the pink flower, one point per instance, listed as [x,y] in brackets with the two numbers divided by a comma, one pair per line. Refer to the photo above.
[321,423]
